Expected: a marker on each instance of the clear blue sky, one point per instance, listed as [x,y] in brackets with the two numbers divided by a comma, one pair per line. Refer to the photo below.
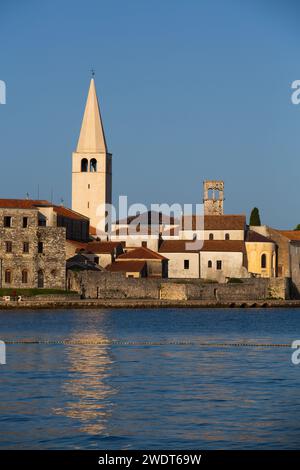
[189,90]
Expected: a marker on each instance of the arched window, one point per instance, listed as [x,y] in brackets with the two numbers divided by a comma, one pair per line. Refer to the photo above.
[40,279]
[263,261]
[8,276]
[209,264]
[227,236]
[24,276]
[93,165]
[211,236]
[84,165]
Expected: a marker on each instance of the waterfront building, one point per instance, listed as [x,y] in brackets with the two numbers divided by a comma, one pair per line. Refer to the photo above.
[103,253]
[261,254]
[131,268]
[288,256]
[33,237]
[217,259]
[92,167]
[156,264]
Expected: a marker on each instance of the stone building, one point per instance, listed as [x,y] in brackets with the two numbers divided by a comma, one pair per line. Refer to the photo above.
[261,254]
[131,268]
[213,197]
[33,238]
[31,255]
[156,264]
[102,253]
[92,166]
[288,256]
[216,260]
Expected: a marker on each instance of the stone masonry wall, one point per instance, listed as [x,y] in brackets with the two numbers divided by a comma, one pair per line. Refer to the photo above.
[103,285]
[51,263]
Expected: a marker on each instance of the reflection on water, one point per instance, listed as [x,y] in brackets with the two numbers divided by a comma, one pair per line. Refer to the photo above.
[160,395]
[88,389]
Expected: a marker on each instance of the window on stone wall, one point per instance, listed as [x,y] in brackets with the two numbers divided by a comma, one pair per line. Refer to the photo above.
[7,221]
[8,247]
[186,264]
[209,264]
[211,236]
[25,247]
[24,276]
[25,222]
[40,247]
[219,264]
[227,236]
[263,261]
[8,276]
[144,244]
[40,279]
[42,221]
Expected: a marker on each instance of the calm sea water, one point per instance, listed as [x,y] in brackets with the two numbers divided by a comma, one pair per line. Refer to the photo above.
[170,382]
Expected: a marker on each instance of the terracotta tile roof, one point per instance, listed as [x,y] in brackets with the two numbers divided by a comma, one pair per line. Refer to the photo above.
[176,246]
[224,245]
[126,266]
[36,203]
[252,236]
[65,212]
[141,253]
[22,203]
[215,222]
[101,247]
[293,235]
[179,246]
[146,218]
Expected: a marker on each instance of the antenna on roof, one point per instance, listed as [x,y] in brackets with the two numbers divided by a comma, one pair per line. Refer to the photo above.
[61,202]
[27,195]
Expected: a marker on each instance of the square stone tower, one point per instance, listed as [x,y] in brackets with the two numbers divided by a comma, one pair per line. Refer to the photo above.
[213,197]
[92,167]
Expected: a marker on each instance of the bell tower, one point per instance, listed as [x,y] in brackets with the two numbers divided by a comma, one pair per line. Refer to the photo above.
[92,166]
[213,197]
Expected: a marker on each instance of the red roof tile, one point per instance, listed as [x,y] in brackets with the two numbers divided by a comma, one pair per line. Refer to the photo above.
[215,222]
[293,235]
[252,236]
[36,203]
[179,246]
[141,253]
[102,247]
[126,266]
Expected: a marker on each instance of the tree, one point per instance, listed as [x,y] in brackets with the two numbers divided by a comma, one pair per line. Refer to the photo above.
[255,218]
[298,227]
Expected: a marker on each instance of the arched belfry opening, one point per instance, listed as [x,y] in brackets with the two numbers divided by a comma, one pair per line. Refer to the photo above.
[213,197]
[93,165]
[84,165]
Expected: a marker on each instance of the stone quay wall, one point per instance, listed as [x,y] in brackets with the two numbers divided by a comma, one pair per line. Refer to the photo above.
[104,285]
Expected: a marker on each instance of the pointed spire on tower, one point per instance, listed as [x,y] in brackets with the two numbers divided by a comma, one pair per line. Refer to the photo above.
[92,137]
